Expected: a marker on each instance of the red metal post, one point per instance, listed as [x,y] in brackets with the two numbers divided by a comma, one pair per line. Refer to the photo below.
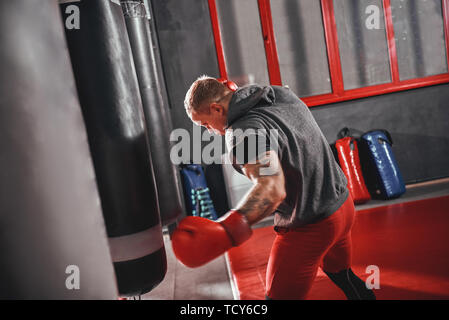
[269,42]
[331,34]
[217,39]
[446,27]
[394,66]
[333,50]
[377,90]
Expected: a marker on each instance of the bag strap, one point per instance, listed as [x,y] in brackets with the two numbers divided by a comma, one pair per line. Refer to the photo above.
[191,167]
[349,132]
[388,136]
[386,133]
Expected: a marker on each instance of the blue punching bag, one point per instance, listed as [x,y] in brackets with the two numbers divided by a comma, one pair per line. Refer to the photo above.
[112,107]
[197,193]
[380,168]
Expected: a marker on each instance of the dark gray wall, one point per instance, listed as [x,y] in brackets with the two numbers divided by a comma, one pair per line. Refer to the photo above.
[417,119]
[187,49]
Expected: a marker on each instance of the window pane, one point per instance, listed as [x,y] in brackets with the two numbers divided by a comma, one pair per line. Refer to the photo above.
[301,46]
[419,34]
[243,41]
[363,42]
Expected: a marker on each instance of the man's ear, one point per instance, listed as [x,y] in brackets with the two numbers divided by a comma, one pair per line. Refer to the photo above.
[216,108]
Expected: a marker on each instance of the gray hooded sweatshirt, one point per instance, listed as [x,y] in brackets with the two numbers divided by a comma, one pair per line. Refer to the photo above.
[316,186]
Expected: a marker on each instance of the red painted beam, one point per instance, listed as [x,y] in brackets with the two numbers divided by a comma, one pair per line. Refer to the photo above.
[394,66]
[217,38]
[445,4]
[339,94]
[330,28]
[376,90]
[333,50]
[269,42]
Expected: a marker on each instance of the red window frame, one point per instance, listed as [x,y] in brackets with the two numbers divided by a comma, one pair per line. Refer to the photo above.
[330,30]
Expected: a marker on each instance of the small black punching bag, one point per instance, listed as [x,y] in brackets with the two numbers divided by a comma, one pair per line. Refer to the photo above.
[158,129]
[112,108]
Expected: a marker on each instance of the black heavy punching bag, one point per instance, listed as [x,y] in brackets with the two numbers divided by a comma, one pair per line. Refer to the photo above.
[158,127]
[112,108]
[53,240]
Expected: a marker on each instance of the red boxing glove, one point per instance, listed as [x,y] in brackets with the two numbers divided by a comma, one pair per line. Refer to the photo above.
[198,241]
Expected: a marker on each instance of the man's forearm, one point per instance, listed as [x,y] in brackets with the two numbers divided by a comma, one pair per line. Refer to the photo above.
[267,192]
[259,203]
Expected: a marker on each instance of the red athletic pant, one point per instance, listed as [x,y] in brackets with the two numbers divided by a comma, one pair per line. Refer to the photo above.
[296,254]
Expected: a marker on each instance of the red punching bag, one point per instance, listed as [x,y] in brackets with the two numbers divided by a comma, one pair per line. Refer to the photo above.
[348,157]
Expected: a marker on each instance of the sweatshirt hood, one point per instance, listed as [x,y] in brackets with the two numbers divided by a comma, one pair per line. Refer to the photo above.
[247,98]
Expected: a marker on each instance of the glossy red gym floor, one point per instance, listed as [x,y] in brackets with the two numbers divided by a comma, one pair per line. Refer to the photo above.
[409,242]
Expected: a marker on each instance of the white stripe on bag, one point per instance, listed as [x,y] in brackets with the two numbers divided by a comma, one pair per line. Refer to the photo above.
[136,245]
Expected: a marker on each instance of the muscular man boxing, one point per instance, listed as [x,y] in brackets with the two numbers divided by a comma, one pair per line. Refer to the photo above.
[305,189]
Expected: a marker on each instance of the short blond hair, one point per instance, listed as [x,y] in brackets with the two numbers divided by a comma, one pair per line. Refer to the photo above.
[205,89]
